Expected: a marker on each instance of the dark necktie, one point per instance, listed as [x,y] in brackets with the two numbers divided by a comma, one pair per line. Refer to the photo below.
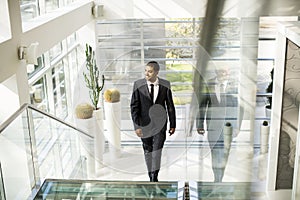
[222,93]
[152,92]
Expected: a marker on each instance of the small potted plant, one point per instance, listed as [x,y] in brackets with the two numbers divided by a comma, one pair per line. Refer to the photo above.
[84,111]
[112,95]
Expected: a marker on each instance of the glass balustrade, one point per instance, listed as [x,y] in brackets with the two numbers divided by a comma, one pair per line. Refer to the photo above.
[35,146]
[225,190]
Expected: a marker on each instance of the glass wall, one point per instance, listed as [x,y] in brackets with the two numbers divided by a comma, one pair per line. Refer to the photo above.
[124,46]
[50,81]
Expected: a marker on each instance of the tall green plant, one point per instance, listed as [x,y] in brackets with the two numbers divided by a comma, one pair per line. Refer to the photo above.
[92,76]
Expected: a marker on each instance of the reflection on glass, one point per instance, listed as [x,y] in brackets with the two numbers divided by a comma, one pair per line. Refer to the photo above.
[29,9]
[60,189]
[228,190]
[51,5]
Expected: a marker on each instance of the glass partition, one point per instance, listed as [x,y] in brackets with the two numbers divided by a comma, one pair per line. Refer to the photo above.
[35,146]
[15,158]
[228,190]
[77,189]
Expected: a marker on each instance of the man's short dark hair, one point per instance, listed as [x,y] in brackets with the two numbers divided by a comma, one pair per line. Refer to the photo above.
[153,64]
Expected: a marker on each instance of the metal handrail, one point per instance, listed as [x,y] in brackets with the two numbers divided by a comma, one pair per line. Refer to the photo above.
[25,106]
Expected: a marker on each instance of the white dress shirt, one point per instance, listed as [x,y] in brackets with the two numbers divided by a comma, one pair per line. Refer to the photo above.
[155,89]
[218,89]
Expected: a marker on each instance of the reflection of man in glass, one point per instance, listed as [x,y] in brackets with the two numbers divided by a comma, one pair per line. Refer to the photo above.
[214,99]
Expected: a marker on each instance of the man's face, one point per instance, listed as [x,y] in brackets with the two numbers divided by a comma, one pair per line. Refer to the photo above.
[150,74]
[222,74]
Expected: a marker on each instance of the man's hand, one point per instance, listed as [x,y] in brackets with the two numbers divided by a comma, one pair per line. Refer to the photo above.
[201,131]
[172,131]
[138,132]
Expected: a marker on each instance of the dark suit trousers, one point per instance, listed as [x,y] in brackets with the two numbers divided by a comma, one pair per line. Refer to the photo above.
[152,150]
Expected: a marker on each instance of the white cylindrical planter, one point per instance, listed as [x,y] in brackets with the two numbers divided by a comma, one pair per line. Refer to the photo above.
[88,126]
[93,149]
[227,136]
[99,139]
[264,137]
[113,127]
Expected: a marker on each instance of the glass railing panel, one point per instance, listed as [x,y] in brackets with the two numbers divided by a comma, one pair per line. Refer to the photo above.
[76,189]
[225,190]
[61,150]
[16,159]
[35,145]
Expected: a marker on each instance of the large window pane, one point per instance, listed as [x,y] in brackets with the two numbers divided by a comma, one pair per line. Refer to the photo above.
[31,9]
[33,69]
[5,32]
[60,97]
[38,94]
[55,51]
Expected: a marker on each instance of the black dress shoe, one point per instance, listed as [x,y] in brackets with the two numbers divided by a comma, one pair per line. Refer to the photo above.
[153,177]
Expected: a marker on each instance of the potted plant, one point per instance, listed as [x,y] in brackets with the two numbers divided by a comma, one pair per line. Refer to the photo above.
[112,95]
[92,77]
[84,111]
[94,124]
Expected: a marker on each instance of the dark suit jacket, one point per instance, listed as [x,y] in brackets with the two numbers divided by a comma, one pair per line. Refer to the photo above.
[148,116]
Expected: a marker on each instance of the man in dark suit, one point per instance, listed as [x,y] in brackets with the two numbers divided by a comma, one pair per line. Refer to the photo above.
[151,105]
[216,101]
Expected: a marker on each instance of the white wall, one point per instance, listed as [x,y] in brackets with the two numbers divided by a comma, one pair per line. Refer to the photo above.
[9,102]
